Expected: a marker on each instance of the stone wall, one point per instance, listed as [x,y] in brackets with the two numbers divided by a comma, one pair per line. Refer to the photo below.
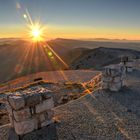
[130,63]
[4,132]
[30,111]
[95,82]
[113,77]
[136,63]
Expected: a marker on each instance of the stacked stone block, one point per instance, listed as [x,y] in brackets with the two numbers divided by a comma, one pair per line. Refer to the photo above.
[128,63]
[113,77]
[30,111]
[136,62]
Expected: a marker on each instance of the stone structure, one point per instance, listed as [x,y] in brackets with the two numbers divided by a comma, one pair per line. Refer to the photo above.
[130,63]
[113,77]
[137,63]
[95,82]
[30,111]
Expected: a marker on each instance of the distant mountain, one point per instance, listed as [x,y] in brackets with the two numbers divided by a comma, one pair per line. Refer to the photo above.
[96,43]
[100,57]
[20,58]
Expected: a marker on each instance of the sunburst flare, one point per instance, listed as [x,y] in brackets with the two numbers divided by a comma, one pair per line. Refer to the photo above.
[36,32]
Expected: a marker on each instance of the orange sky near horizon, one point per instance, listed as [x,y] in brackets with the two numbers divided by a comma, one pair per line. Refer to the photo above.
[73,32]
[75,19]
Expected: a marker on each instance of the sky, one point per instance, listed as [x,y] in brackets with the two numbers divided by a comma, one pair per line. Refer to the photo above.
[114,19]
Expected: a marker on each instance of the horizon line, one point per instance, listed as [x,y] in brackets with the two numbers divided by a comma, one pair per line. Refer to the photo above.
[84,39]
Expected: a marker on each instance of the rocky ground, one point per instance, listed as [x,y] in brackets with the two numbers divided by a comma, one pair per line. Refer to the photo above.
[62,93]
[65,85]
[102,115]
[71,76]
[100,57]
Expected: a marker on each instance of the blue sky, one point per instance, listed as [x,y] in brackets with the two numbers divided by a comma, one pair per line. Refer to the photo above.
[114,14]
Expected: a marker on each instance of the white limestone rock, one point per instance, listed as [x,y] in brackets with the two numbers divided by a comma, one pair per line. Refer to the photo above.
[129,69]
[9,109]
[107,79]
[105,85]
[43,117]
[112,70]
[117,79]
[50,114]
[115,86]
[33,99]
[22,114]
[25,127]
[46,123]
[47,94]
[45,105]
[11,120]
[130,64]
[17,102]
[115,72]
[106,71]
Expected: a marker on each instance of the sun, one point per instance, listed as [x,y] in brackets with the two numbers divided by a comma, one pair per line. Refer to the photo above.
[36,32]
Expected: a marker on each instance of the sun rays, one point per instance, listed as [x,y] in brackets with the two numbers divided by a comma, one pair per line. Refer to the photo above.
[40,52]
[36,32]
